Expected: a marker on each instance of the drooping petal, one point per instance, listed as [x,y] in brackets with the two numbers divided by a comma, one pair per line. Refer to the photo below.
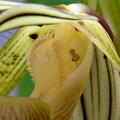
[110,11]
[23,109]
[32,14]
[82,8]
[96,33]
[4,5]
[13,58]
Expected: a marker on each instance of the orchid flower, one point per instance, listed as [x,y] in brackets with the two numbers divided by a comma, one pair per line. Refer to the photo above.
[60,46]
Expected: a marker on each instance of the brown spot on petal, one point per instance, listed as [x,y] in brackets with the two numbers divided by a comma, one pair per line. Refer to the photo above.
[1,73]
[33,36]
[76,29]
[15,57]
[75,57]
[105,57]
[81,22]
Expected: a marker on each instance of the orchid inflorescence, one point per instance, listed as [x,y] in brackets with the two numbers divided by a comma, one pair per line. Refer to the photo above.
[58,45]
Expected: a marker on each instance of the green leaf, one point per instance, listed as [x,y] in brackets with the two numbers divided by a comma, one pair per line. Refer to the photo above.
[111,12]
[26,86]
[53,2]
[91,3]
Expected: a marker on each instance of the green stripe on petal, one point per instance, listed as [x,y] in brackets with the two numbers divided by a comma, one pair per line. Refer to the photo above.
[13,58]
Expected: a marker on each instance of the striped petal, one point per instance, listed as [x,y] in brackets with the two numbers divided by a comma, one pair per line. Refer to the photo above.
[23,109]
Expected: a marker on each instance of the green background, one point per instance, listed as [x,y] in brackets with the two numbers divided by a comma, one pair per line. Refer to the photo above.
[53,2]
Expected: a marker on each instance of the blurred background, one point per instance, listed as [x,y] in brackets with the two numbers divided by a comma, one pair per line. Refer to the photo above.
[26,85]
